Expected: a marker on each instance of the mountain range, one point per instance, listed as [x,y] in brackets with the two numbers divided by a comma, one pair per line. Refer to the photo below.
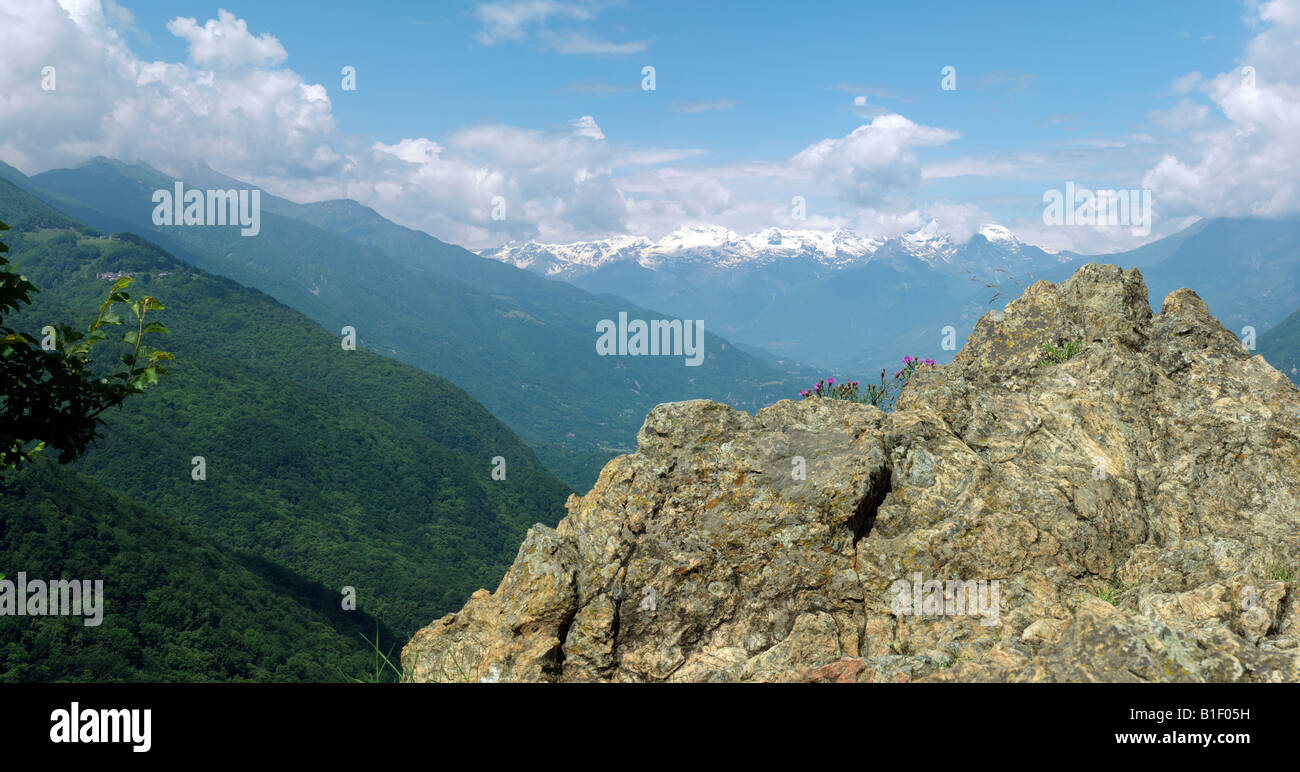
[853,304]
[722,248]
[521,345]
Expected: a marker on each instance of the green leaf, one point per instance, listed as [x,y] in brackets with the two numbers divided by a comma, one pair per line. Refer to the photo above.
[155,327]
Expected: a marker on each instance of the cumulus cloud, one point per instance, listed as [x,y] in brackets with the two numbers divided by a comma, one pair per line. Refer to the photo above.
[1249,166]
[107,101]
[234,105]
[875,162]
[226,42]
[873,168]
[553,184]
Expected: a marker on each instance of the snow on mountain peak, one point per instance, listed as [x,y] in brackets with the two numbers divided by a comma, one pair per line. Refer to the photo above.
[996,233]
[722,247]
[694,236]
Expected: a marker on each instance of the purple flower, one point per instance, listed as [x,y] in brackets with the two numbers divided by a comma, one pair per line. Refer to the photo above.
[907,360]
[830,381]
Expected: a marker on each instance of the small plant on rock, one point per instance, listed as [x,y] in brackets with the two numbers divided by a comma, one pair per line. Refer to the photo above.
[1057,354]
[1113,592]
[881,395]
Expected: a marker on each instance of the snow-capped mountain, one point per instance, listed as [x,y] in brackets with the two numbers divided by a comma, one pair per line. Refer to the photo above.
[707,244]
[564,261]
[717,247]
[829,296]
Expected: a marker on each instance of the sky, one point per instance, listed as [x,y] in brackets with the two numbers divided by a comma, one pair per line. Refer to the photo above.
[544,106]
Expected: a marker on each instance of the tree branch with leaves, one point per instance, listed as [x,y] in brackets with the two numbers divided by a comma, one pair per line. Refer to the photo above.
[53,397]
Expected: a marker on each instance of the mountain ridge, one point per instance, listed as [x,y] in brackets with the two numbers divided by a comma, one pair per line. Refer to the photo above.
[521,345]
[723,248]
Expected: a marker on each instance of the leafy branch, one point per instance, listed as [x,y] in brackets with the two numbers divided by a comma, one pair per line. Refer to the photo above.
[50,394]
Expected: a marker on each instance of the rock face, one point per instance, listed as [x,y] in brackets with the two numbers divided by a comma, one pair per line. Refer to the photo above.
[1129,514]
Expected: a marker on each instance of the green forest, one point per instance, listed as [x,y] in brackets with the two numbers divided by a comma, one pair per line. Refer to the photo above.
[324,468]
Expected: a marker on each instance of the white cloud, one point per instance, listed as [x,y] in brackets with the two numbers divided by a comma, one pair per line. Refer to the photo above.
[578,42]
[232,106]
[109,102]
[1186,83]
[511,19]
[866,111]
[1182,116]
[555,184]
[1233,146]
[226,42]
[960,220]
[514,20]
[874,168]
[1250,166]
[875,162]
[999,166]
[655,156]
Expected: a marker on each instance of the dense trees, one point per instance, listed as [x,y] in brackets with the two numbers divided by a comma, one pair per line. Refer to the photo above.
[324,468]
[50,396]
[176,607]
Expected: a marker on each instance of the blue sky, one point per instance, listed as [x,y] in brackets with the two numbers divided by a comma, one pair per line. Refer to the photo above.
[1020,65]
[1045,93]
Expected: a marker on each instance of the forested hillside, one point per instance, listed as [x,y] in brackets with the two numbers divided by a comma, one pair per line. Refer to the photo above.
[341,466]
[520,344]
[177,607]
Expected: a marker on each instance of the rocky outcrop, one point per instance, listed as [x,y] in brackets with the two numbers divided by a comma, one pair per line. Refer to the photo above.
[1129,514]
